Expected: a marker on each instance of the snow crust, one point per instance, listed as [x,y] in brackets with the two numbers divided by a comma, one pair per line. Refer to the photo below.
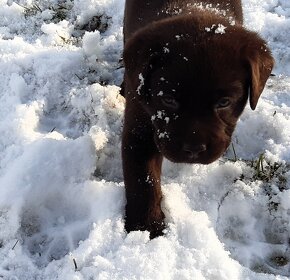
[61,186]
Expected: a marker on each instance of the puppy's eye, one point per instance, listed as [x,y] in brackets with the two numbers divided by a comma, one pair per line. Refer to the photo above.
[169,101]
[223,103]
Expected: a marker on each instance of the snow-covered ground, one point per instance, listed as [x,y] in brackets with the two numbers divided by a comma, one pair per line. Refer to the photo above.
[61,187]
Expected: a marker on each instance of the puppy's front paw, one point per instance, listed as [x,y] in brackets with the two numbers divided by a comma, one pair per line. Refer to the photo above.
[155,225]
[157,229]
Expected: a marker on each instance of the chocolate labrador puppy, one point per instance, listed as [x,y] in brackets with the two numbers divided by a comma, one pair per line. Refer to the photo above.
[190,67]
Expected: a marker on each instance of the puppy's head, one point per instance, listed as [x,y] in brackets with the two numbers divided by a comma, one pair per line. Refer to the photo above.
[195,82]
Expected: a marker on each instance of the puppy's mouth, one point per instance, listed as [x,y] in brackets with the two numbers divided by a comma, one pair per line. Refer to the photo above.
[201,158]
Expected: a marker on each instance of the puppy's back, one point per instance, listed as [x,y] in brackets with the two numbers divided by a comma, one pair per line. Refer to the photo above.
[139,13]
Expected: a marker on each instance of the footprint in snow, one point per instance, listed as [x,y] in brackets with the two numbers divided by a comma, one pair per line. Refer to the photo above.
[48,236]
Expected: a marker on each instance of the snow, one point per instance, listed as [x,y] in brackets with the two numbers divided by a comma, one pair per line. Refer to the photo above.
[218,29]
[61,186]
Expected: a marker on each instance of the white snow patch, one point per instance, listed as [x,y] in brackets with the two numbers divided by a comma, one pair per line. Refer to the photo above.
[141,79]
[61,185]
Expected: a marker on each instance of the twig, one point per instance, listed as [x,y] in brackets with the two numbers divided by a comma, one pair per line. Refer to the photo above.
[260,167]
[235,155]
[75,264]
[15,244]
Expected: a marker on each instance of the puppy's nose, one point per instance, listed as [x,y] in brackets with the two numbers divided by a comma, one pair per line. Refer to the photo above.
[192,151]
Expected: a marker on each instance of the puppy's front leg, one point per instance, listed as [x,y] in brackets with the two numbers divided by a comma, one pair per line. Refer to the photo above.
[142,167]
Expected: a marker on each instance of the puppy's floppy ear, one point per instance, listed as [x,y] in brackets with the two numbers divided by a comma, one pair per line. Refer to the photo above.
[261,63]
[142,53]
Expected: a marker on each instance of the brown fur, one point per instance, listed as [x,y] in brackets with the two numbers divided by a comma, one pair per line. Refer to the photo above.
[188,74]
